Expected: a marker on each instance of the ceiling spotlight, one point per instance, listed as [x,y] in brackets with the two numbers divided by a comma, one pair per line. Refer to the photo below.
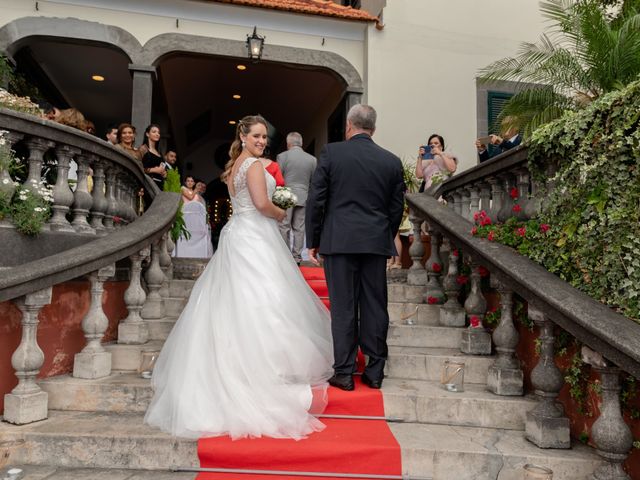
[97,78]
[241,67]
[232,122]
[236,96]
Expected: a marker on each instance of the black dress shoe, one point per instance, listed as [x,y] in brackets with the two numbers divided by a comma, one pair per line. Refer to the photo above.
[343,382]
[371,383]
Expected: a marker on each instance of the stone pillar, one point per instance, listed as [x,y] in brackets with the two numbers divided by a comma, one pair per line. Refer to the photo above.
[99,204]
[475,339]
[170,247]
[165,262]
[27,402]
[545,425]
[62,194]
[466,204]
[522,180]
[141,96]
[474,201]
[451,313]
[112,205]
[82,199]
[434,267]
[94,361]
[485,197]
[37,147]
[610,432]
[133,330]
[497,197]
[505,375]
[506,212]
[416,275]
[153,308]
[457,198]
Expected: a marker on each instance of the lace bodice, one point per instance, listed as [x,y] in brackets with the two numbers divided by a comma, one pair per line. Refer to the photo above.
[242,202]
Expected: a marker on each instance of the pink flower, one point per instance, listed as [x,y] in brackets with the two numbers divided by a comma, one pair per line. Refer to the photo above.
[522,231]
[462,279]
[544,228]
[485,221]
[474,321]
[474,230]
[432,300]
[517,208]
[436,267]
[476,216]
[483,271]
[513,193]
[491,236]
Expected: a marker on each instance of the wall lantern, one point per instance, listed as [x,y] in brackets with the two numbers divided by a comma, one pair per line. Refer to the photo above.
[255,44]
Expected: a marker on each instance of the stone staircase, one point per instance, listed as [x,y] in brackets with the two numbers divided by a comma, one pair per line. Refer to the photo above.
[443,435]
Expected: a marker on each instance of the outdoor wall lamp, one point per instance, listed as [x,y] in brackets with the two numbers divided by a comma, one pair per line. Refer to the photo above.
[255,44]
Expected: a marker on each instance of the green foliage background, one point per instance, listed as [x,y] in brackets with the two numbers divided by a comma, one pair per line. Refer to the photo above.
[172,184]
[594,209]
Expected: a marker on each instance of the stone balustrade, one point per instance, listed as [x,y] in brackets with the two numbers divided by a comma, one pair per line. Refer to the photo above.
[90,230]
[551,302]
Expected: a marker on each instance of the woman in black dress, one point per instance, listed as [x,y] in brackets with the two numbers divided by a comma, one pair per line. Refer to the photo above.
[151,156]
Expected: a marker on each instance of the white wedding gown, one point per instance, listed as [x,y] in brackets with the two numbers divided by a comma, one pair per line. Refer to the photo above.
[251,353]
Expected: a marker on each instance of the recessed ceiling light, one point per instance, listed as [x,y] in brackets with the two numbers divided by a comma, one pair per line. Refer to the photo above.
[241,67]
[97,78]
[236,96]
[232,122]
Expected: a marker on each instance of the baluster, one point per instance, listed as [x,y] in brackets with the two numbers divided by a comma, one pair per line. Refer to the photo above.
[131,213]
[451,313]
[131,201]
[475,339]
[545,425]
[133,330]
[121,208]
[82,199]
[99,203]
[506,212]
[7,188]
[153,308]
[474,201]
[27,402]
[434,267]
[165,262]
[505,375]
[457,206]
[450,202]
[37,147]
[610,432]
[416,275]
[94,361]
[497,198]
[170,247]
[62,194]
[485,197]
[466,204]
[523,192]
[111,199]
[535,201]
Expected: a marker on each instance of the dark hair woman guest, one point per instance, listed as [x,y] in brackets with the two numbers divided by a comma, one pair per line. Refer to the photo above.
[151,156]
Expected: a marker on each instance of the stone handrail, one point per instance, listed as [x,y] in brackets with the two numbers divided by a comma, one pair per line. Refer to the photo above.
[614,340]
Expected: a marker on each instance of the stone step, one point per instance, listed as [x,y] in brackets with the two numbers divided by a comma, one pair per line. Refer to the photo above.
[122,441]
[424,336]
[173,306]
[403,293]
[180,288]
[127,357]
[426,364]
[418,313]
[160,329]
[409,400]
[36,472]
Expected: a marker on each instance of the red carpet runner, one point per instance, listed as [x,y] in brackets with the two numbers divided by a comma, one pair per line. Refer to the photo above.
[345,446]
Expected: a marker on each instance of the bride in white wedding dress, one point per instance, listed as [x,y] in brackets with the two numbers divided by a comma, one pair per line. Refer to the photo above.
[251,353]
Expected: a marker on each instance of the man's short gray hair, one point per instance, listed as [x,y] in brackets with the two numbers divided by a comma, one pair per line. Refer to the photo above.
[362,117]
[294,139]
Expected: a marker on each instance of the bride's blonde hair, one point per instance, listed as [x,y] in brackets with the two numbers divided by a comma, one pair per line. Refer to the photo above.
[243,128]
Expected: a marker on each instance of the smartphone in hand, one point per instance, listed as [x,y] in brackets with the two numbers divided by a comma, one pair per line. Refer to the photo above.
[427,155]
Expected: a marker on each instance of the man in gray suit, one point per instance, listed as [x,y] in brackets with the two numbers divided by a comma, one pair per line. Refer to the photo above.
[297,167]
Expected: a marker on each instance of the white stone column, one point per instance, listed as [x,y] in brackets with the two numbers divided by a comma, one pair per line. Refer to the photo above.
[27,402]
[133,330]
[94,361]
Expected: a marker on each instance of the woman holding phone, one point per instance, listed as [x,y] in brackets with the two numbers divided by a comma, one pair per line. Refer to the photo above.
[434,165]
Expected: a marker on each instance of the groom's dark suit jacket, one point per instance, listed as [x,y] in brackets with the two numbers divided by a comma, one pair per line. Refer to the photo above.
[356,199]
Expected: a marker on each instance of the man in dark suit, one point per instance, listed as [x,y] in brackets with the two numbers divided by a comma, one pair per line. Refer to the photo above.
[354,210]
[510,138]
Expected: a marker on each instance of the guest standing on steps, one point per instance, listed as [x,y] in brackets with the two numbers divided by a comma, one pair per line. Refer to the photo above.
[354,211]
[297,167]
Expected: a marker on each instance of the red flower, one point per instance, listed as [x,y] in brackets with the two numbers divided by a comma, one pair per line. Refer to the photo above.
[475,322]
[116,219]
[483,271]
[513,193]
[491,236]
[462,279]
[522,231]
[493,309]
[474,230]
[436,267]
[432,300]
[455,253]
[517,208]
[476,216]
[544,227]
[485,221]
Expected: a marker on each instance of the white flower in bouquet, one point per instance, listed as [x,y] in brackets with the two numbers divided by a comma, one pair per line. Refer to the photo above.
[284,198]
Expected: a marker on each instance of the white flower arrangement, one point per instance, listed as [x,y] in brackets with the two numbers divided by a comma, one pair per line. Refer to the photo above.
[284,198]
